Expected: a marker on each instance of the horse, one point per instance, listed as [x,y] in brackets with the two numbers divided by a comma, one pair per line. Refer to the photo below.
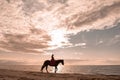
[48,63]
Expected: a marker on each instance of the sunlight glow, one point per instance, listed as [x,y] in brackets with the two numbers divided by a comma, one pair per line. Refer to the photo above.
[58,38]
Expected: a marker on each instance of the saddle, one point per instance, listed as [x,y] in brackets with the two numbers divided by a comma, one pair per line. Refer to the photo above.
[52,62]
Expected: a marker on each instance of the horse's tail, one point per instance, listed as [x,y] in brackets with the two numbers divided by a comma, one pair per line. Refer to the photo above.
[44,64]
[42,67]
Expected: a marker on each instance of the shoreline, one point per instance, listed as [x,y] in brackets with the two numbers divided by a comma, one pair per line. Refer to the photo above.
[30,75]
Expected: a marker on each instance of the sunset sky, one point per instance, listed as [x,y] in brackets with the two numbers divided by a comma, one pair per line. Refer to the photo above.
[82,32]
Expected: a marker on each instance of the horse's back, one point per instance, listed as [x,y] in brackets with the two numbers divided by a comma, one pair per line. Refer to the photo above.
[46,61]
[59,60]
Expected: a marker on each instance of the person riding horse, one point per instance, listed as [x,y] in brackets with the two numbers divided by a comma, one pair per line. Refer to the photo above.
[52,62]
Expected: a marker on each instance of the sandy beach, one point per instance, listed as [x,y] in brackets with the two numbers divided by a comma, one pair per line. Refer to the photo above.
[27,75]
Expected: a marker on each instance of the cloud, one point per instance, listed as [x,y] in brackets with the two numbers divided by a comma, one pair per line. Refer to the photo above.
[8,1]
[100,43]
[80,44]
[25,43]
[114,41]
[31,6]
[28,25]
[97,18]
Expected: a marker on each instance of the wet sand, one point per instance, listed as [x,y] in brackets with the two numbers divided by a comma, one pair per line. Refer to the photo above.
[27,75]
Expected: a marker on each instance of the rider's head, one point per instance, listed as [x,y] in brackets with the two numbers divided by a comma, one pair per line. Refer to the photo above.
[52,55]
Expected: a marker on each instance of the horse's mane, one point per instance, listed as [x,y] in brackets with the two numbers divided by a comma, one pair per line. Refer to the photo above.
[59,60]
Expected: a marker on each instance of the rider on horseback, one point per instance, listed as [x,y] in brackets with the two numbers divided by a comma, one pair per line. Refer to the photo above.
[52,62]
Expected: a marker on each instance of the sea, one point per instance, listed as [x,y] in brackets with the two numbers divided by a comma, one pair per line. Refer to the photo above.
[76,69]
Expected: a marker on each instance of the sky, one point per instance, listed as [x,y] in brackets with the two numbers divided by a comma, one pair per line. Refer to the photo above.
[82,32]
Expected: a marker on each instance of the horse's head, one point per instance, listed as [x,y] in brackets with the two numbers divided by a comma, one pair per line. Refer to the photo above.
[62,61]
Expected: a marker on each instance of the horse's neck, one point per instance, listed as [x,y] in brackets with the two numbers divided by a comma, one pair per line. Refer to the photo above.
[59,61]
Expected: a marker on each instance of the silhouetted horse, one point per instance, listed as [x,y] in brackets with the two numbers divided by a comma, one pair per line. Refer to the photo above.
[47,62]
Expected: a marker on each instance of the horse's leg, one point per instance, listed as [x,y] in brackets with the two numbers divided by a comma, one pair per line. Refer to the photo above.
[56,69]
[46,69]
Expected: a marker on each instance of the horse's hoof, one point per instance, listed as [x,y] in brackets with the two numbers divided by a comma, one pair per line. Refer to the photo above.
[41,71]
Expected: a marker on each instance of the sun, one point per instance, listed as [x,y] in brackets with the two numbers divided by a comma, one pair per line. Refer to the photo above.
[58,38]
